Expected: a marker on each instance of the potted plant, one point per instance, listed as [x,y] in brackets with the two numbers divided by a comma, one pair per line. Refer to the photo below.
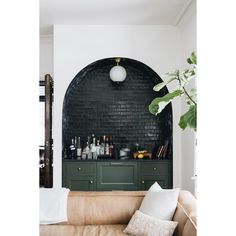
[189,118]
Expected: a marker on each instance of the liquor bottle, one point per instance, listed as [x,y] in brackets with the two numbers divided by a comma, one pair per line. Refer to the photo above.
[79,149]
[107,146]
[93,149]
[65,155]
[91,143]
[98,147]
[72,149]
[102,149]
[87,150]
[75,143]
[111,147]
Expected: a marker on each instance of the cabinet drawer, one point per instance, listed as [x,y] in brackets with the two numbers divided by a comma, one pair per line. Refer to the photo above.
[79,169]
[154,169]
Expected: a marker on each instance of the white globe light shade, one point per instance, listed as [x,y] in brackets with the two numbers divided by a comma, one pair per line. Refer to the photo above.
[118,73]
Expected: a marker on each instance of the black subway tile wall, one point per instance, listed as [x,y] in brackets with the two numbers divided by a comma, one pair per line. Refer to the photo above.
[93,104]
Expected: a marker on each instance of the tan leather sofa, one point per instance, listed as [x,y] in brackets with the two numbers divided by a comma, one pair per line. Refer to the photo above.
[108,213]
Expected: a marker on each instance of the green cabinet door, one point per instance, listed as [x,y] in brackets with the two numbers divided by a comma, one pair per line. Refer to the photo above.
[117,176]
[78,176]
[81,184]
[147,181]
[155,172]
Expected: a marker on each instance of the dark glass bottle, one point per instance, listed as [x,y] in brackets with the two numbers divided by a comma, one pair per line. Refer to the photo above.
[111,147]
[79,149]
[72,149]
[107,146]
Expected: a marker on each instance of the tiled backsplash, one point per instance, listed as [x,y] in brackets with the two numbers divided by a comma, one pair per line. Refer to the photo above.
[93,104]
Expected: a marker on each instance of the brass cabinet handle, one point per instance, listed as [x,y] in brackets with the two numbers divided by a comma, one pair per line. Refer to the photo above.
[142,181]
[91,182]
[79,169]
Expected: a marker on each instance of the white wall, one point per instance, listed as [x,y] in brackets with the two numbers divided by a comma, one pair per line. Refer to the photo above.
[77,46]
[46,55]
[187,27]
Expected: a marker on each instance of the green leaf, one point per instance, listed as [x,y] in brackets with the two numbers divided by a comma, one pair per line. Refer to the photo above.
[192,59]
[159,103]
[189,118]
[161,85]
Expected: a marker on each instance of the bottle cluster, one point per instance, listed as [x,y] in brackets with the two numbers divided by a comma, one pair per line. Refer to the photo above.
[92,149]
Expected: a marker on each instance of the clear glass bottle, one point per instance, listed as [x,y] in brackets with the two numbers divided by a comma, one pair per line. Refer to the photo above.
[107,146]
[98,147]
[75,143]
[93,149]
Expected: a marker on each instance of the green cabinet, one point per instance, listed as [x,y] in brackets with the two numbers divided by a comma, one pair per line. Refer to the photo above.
[107,175]
[157,171]
[79,176]
[117,176]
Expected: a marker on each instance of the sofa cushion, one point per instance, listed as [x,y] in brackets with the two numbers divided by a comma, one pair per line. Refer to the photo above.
[144,225]
[87,230]
[100,208]
[155,187]
[160,204]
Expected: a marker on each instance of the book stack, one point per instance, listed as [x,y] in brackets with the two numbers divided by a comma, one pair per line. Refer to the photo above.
[162,150]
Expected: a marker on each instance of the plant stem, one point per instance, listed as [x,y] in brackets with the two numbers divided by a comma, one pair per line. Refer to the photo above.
[189,96]
[186,93]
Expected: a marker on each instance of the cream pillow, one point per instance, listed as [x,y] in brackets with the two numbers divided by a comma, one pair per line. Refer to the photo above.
[160,204]
[144,225]
[155,187]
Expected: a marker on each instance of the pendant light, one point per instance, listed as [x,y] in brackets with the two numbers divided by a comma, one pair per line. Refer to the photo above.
[117,72]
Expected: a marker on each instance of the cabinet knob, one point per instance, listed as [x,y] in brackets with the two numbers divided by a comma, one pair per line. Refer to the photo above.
[91,182]
[142,181]
[154,168]
[79,169]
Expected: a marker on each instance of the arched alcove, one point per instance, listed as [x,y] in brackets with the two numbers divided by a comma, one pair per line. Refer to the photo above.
[93,104]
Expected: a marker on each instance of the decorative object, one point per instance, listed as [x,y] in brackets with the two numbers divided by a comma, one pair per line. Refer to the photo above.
[117,73]
[160,204]
[142,154]
[145,225]
[188,119]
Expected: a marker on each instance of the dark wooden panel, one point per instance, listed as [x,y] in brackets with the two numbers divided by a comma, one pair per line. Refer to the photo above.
[48,181]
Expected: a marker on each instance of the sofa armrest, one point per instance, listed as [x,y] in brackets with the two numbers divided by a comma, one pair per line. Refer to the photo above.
[186,214]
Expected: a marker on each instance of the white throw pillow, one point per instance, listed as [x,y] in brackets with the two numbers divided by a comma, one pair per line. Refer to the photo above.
[155,187]
[160,204]
[144,225]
